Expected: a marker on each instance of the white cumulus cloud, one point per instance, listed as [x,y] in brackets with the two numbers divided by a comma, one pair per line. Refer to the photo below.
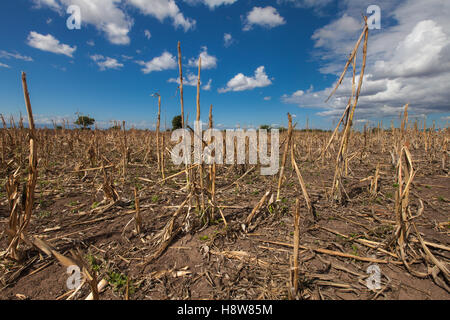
[105,15]
[49,43]
[162,9]
[191,80]
[208,61]
[408,60]
[106,62]
[267,17]
[240,82]
[164,62]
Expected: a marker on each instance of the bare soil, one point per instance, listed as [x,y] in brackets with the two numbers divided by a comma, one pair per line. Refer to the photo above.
[214,262]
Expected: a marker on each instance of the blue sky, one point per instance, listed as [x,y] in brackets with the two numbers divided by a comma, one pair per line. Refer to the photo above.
[261,60]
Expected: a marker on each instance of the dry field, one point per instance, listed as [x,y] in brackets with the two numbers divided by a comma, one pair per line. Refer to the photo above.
[100,202]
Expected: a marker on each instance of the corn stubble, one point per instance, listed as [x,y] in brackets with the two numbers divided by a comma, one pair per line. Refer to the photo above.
[204,192]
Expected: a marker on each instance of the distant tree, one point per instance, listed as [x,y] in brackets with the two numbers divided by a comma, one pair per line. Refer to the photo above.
[265,126]
[176,123]
[84,121]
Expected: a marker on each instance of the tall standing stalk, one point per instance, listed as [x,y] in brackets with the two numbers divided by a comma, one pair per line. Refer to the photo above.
[212,169]
[158,122]
[182,108]
[341,161]
[296,246]
[20,219]
[181,84]
[283,161]
[200,167]
[125,151]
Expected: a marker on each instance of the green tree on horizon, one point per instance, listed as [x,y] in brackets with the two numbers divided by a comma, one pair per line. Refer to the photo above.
[84,121]
[176,123]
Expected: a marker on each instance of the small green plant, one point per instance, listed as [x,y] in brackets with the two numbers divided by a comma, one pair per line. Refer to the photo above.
[395,185]
[389,195]
[95,205]
[355,249]
[44,214]
[441,198]
[73,203]
[155,199]
[93,262]
[118,282]
[204,238]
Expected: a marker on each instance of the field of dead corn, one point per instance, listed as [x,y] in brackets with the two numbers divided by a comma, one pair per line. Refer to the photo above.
[349,215]
[104,202]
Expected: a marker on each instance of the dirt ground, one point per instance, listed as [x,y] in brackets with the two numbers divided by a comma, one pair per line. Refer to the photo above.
[218,262]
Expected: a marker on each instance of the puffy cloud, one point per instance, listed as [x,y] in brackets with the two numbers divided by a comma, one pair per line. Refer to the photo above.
[2,65]
[191,80]
[162,9]
[408,60]
[147,34]
[208,61]
[49,43]
[241,82]
[105,15]
[106,62]
[164,62]
[419,54]
[267,17]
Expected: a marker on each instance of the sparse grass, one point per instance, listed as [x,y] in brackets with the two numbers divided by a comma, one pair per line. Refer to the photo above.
[44,214]
[93,262]
[95,205]
[118,281]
